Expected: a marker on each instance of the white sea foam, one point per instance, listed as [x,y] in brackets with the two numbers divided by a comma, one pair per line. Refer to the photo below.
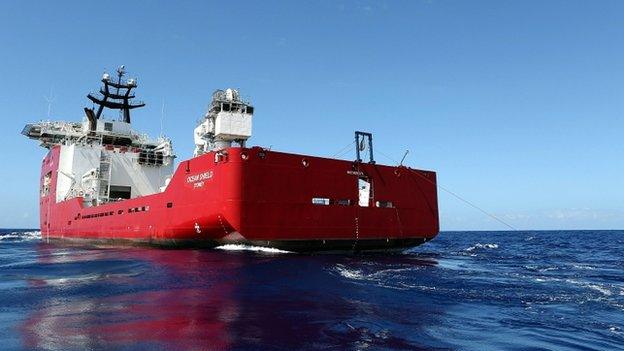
[391,272]
[604,290]
[385,278]
[583,266]
[350,273]
[482,246]
[240,247]
[600,288]
[21,236]
[379,275]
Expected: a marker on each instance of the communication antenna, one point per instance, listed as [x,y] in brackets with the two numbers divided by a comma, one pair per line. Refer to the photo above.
[120,72]
[162,117]
[49,99]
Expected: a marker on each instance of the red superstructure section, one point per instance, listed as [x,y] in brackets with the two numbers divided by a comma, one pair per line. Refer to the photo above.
[261,197]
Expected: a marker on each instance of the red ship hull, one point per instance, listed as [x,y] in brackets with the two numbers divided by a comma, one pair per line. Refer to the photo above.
[260,197]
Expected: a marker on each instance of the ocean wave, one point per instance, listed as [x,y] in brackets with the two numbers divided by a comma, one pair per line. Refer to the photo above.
[537,268]
[599,288]
[376,275]
[386,278]
[240,247]
[583,266]
[596,287]
[21,236]
[482,246]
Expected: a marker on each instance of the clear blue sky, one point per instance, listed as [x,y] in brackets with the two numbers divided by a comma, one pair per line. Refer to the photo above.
[518,105]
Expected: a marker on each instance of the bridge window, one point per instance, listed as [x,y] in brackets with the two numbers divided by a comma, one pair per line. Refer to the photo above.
[150,157]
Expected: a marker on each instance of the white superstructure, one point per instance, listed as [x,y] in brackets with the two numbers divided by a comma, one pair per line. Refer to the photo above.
[104,160]
[95,168]
[227,120]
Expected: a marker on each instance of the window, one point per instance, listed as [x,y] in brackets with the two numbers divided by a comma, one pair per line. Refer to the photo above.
[384,204]
[149,157]
[108,126]
[119,192]
[320,201]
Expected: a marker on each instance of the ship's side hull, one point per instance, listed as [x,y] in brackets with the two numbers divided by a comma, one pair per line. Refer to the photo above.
[260,197]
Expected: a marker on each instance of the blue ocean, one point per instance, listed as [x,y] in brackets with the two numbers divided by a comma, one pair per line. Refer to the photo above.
[539,290]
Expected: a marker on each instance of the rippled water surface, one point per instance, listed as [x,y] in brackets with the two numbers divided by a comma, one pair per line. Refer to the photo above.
[462,291]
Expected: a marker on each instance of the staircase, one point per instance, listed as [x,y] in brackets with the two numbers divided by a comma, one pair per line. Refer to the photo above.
[103,177]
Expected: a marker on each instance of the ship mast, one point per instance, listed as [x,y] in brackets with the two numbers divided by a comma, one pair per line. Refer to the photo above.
[120,99]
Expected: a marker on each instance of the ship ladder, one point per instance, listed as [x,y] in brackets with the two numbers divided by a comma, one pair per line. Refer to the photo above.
[104,177]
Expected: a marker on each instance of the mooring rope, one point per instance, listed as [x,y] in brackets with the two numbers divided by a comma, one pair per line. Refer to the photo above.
[457,196]
[343,151]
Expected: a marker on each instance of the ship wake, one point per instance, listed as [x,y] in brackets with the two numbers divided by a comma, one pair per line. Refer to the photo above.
[240,247]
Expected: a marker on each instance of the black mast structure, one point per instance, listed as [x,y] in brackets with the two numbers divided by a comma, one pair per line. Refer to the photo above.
[118,100]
